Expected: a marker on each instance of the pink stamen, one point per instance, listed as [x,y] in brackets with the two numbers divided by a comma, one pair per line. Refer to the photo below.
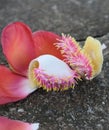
[74,56]
[52,82]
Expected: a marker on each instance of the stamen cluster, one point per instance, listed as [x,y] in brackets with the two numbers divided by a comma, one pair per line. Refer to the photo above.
[48,82]
[75,56]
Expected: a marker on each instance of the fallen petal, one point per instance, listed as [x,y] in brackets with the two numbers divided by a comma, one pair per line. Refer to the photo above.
[18,47]
[13,87]
[93,49]
[51,73]
[8,124]
[44,43]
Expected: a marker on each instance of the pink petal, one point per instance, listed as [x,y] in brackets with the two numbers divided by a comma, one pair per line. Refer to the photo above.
[44,43]
[13,87]
[18,46]
[8,124]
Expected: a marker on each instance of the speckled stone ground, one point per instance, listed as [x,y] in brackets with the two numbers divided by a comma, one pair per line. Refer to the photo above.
[87,106]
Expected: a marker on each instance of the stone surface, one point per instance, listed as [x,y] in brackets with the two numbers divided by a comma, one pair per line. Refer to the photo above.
[87,106]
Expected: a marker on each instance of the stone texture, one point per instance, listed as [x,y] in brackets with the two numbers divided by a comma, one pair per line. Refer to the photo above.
[87,106]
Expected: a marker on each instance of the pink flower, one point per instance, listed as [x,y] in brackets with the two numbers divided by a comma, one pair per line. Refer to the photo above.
[8,124]
[34,62]
[44,59]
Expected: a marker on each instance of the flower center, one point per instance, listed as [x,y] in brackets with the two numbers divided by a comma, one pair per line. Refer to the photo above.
[51,73]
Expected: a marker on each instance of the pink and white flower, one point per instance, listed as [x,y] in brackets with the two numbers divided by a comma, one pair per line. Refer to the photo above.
[21,47]
[42,59]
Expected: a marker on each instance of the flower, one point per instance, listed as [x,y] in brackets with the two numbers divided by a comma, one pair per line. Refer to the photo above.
[34,62]
[8,124]
[44,59]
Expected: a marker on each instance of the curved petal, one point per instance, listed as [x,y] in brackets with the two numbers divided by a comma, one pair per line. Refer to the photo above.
[18,47]
[13,87]
[8,124]
[44,43]
[93,49]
